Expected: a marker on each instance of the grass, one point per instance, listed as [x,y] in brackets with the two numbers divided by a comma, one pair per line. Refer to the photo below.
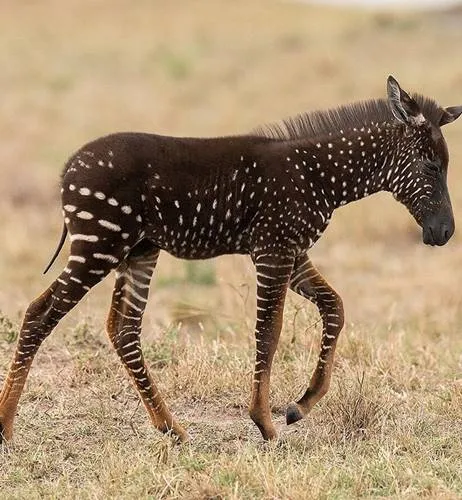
[391,425]
[388,427]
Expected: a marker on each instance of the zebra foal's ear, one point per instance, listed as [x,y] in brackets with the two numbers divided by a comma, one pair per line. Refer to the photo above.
[403,107]
[450,114]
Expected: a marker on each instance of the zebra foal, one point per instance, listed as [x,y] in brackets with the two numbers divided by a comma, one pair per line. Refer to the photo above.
[269,194]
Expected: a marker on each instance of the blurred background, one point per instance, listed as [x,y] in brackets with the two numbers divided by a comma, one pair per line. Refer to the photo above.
[71,71]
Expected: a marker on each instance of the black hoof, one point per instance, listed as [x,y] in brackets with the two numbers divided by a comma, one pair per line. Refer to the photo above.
[293,413]
[2,439]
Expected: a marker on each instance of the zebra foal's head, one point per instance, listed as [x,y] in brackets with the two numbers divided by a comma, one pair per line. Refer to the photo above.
[419,169]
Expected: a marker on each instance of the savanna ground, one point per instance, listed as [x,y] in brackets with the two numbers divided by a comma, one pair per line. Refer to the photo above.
[392,423]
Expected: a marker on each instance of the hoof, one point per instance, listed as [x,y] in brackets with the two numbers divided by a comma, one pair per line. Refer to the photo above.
[268,432]
[264,424]
[177,434]
[182,438]
[271,435]
[293,413]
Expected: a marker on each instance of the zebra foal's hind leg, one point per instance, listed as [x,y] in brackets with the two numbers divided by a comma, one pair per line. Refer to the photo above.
[124,327]
[42,315]
[308,282]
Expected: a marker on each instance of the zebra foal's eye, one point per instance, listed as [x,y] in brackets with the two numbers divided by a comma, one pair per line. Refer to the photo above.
[431,169]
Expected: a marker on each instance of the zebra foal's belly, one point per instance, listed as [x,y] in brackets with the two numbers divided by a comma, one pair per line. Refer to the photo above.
[189,243]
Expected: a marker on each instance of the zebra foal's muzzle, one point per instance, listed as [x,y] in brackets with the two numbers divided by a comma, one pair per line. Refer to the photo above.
[438,230]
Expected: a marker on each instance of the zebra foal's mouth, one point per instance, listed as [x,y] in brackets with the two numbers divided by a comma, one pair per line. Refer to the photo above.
[437,234]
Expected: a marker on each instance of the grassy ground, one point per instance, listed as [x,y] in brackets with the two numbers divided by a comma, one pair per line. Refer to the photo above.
[392,423]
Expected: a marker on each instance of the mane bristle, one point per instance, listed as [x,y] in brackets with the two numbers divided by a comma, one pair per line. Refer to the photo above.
[331,121]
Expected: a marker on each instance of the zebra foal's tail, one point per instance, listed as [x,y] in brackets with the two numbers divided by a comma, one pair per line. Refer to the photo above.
[60,245]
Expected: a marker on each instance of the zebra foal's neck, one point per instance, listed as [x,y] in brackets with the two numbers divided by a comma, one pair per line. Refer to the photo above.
[343,167]
[350,152]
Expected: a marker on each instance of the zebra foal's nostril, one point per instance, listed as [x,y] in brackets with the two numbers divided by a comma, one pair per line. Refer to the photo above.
[447,230]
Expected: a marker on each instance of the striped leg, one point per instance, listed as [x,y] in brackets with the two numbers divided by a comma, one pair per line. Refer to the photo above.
[273,274]
[124,327]
[308,282]
[42,315]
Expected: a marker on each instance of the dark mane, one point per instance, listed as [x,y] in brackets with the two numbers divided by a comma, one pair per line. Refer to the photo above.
[319,123]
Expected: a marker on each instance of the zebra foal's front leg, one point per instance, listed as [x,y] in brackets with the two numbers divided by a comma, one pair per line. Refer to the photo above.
[124,328]
[308,282]
[273,274]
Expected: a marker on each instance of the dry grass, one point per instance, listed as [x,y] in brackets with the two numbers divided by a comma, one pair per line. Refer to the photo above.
[390,426]
[392,422]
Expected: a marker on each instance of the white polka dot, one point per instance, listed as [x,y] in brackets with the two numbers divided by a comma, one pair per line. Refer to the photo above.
[85,215]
